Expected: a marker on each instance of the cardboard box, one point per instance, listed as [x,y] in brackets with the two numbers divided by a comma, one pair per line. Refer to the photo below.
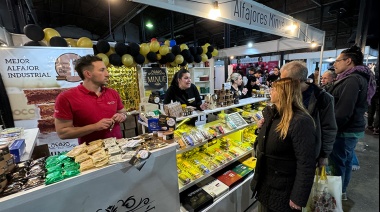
[17,149]
[242,170]
[216,188]
[230,178]
[195,199]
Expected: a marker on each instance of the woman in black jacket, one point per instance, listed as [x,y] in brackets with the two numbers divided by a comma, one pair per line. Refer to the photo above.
[285,151]
[352,91]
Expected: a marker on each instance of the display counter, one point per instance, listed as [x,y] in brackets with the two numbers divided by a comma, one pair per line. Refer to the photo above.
[118,187]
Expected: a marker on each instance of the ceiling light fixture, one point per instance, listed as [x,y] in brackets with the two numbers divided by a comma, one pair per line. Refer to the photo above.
[313,44]
[292,27]
[149,25]
[250,45]
[215,11]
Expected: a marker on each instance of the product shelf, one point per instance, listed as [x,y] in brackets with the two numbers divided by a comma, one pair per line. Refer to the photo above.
[184,187]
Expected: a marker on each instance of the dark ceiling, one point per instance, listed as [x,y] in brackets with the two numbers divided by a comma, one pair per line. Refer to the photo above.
[338,18]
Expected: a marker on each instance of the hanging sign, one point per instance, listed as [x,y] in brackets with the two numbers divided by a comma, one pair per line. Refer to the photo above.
[155,77]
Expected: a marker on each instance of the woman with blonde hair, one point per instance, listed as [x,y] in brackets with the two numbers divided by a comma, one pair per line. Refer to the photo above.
[236,81]
[285,151]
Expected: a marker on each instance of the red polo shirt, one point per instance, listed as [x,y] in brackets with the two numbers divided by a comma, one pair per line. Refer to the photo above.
[84,107]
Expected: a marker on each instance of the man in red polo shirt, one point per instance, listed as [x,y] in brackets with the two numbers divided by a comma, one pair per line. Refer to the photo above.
[89,111]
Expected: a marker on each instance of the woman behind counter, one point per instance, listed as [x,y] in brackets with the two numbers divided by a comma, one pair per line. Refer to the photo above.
[182,90]
[236,85]
[285,151]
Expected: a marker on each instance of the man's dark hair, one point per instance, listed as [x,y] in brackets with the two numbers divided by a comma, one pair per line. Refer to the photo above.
[355,53]
[84,63]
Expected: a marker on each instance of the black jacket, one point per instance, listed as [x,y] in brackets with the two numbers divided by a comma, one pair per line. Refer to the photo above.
[190,96]
[350,95]
[321,108]
[285,168]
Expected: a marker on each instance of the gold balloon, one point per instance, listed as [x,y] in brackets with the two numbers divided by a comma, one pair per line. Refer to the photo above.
[127,60]
[154,46]
[111,51]
[179,59]
[49,33]
[146,61]
[164,50]
[215,53]
[204,48]
[207,44]
[71,42]
[183,46]
[159,57]
[204,57]
[144,49]
[104,58]
[84,42]
[167,43]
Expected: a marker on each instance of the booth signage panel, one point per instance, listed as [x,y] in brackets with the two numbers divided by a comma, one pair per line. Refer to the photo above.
[152,79]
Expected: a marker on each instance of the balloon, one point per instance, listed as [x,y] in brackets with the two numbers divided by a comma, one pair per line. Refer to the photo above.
[115,59]
[139,59]
[84,42]
[159,57]
[197,58]
[104,58]
[127,60]
[111,51]
[154,46]
[176,50]
[71,42]
[199,50]
[34,32]
[210,49]
[146,61]
[58,41]
[152,57]
[164,50]
[204,49]
[49,33]
[170,57]
[135,49]
[190,59]
[167,43]
[103,46]
[204,57]
[193,50]
[174,64]
[184,63]
[144,49]
[183,46]
[209,56]
[185,53]
[179,59]
[172,43]
[163,60]
[32,43]
[207,44]
[215,53]
[153,39]
[121,49]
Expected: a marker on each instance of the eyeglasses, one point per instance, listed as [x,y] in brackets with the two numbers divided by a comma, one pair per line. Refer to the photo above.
[340,60]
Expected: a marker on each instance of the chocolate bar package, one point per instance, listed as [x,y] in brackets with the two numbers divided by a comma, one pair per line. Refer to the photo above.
[230,178]
[195,199]
[215,188]
[250,162]
[242,170]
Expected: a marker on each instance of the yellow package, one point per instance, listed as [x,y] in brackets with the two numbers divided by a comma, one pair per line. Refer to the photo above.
[82,157]
[86,165]
[250,162]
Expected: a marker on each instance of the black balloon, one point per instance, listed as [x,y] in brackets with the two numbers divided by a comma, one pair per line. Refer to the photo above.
[193,50]
[199,50]
[176,50]
[102,46]
[139,59]
[121,49]
[34,32]
[115,59]
[184,63]
[197,58]
[209,55]
[152,57]
[32,43]
[185,53]
[170,57]
[95,50]
[58,41]
[135,49]
[163,59]
[210,49]
[190,59]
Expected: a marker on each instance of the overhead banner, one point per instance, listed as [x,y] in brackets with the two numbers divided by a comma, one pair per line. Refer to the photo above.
[33,77]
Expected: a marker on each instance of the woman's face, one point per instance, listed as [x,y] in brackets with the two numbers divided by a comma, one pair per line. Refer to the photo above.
[273,95]
[185,81]
[239,81]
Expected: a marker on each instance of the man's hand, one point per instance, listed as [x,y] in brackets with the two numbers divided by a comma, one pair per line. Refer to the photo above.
[119,117]
[260,123]
[104,124]
[294,206]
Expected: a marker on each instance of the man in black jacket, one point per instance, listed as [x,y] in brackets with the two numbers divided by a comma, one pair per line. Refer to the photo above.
[320,105]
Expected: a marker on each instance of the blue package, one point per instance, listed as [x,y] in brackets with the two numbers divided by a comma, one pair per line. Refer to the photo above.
[17,149]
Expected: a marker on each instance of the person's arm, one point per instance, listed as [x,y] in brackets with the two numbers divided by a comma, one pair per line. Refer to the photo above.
[197,96]
[169,95]
[66,130]
[328,126]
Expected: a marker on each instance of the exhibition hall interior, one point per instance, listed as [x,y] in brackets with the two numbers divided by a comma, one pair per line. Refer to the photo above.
[182,96]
